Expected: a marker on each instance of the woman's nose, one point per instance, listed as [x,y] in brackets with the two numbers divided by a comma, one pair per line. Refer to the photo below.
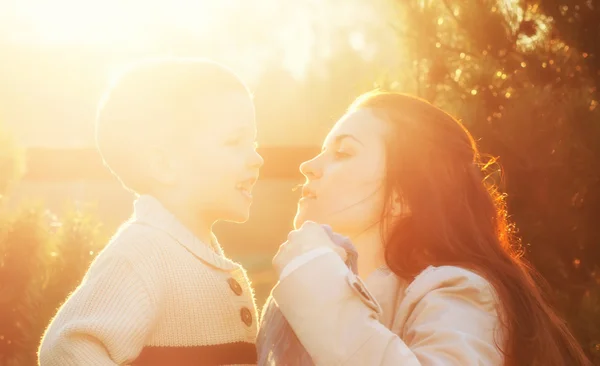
[256,160]
[310,168]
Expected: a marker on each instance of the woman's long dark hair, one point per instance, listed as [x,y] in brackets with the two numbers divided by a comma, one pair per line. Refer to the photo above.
[457,218]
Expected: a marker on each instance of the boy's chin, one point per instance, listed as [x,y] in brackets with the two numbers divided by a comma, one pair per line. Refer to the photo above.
[238,217]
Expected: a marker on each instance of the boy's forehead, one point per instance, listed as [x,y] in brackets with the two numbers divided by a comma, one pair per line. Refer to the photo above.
[230,99]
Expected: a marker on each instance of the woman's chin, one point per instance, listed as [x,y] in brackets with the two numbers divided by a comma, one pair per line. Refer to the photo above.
[298,220]
[302,216]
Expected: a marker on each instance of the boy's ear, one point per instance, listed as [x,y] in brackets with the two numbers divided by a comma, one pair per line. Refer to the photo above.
[161,166]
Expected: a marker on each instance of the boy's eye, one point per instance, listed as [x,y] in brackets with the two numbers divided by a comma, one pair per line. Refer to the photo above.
[239,141]
[233,142]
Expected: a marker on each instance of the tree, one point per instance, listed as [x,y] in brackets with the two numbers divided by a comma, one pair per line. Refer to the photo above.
[578,24]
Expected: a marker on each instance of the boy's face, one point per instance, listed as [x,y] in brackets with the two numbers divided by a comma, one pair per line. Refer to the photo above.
[215,168]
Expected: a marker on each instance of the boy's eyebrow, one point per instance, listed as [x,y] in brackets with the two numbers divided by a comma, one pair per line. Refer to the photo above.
[339,138]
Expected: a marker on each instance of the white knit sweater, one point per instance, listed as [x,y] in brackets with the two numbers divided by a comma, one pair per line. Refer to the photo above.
[155,295]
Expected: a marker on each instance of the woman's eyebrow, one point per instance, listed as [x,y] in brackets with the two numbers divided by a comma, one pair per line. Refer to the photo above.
[339,138]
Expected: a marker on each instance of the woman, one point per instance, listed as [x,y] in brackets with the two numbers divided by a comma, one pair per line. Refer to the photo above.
[444,283]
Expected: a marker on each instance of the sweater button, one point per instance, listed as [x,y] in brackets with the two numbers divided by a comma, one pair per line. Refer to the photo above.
[246,316]
[235,286]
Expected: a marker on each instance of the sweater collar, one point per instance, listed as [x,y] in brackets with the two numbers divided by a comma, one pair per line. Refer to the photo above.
[150,212]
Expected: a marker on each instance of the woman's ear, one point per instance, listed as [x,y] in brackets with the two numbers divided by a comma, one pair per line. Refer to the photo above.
[398,206]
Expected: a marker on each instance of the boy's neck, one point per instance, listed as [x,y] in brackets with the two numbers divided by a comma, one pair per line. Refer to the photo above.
[202,231]
[199,226]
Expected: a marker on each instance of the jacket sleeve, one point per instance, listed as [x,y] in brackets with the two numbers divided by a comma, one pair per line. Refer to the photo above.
[449,317]
[104,322]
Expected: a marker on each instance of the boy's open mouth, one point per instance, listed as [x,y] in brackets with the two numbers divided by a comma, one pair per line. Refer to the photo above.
[246,186]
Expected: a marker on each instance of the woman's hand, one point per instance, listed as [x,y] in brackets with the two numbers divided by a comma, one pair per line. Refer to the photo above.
[310,236]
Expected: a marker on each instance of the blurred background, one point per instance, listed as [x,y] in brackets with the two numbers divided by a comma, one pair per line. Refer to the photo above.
[523,75]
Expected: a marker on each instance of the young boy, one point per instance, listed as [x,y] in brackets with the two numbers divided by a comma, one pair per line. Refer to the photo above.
[180,133]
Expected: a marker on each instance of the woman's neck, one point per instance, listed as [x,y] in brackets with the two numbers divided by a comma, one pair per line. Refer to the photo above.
[371,255]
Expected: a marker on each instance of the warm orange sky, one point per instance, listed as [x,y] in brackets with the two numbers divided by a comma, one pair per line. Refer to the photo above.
[302,30]
[57,54]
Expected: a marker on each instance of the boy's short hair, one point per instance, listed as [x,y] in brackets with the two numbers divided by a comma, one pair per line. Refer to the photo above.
[150,99]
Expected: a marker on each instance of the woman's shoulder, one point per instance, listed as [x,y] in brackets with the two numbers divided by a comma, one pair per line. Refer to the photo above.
[444,281]
[462,294]
[449,272]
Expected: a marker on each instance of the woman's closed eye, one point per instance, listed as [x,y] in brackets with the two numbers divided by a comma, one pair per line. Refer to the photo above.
[341,154]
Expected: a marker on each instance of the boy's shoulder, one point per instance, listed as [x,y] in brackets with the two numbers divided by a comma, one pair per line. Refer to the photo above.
[131,253]
[132,236]
[135,242]
[144,245]
[134,247]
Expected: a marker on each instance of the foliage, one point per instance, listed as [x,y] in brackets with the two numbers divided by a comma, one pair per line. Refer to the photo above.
[43,259]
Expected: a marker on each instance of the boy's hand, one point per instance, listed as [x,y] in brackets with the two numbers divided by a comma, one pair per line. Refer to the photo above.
[310,236]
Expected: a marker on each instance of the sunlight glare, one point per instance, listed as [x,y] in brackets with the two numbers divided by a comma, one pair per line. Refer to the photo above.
[91,22]
[239,33]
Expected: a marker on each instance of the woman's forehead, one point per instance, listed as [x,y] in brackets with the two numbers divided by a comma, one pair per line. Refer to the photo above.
[363,124]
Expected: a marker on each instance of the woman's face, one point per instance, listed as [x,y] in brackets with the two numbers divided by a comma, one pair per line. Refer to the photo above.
[345,183]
